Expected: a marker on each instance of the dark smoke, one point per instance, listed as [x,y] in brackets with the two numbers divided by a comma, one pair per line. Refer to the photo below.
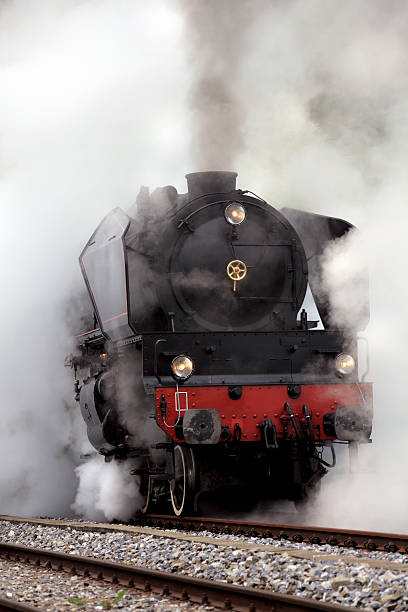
[215,35]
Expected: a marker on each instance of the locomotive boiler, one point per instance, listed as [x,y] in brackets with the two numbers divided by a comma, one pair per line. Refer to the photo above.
[202,364]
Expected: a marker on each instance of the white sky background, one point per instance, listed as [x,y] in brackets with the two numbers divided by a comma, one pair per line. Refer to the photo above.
[95,101]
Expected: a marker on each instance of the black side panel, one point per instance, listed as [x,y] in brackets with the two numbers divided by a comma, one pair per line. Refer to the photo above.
[90,415]
[104,266]
[140,244]
[316,232]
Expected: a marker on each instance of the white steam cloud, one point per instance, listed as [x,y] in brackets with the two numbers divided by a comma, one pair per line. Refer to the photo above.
[322,94]
[92,105]
[328,134]
[106,490]
[100,97]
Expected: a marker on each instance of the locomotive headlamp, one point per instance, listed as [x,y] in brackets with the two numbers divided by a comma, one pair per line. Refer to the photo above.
[182,367]
[235,213]
[344,364]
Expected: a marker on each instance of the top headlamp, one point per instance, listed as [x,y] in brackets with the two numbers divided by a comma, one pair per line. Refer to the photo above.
[235,213]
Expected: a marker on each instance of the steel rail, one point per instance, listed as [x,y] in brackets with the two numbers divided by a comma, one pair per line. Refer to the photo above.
[12,604]
[185,588]
[348,538]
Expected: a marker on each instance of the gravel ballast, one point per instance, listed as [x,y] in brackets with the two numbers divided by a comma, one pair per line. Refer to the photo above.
[329,574]
[54,590]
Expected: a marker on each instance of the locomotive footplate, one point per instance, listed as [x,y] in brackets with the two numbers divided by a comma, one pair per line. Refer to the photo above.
[202,415]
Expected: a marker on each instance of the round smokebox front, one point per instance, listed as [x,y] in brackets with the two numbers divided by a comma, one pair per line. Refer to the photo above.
[207,249]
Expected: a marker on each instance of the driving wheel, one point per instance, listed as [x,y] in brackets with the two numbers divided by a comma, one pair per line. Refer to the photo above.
[183,485]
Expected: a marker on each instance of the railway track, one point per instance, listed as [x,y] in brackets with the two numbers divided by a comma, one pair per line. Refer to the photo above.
[366,540]
[196,590]
[8,604]
[184,588]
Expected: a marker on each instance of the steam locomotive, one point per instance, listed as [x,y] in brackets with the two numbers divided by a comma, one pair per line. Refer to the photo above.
[202,366]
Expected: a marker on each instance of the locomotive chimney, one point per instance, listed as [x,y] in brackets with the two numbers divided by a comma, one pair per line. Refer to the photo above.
[200,183]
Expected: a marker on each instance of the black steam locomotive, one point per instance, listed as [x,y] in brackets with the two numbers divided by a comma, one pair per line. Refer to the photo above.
[202,364]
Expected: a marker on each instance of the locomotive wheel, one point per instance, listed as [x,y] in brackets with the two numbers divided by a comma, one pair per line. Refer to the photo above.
[146,487]
[156,497]
[183,485]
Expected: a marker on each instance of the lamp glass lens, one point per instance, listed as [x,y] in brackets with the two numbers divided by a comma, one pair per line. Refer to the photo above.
[182,367]
[235,213]
[345,363]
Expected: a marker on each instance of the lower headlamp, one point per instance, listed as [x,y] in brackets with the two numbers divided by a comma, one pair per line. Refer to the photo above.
[182,367]
[344,364]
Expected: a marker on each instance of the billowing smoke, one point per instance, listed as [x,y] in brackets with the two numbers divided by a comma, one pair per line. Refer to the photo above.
[307,101]
[106,490]
[344,280]
[215,40]
[320,110]
[328,134]
[92,106]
